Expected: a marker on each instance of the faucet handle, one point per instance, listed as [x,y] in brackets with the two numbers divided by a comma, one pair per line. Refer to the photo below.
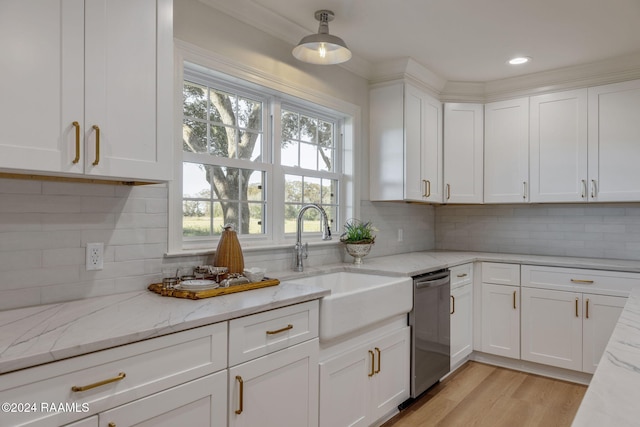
[305,250]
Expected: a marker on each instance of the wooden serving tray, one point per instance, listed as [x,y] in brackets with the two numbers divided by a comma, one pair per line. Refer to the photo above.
[208,293]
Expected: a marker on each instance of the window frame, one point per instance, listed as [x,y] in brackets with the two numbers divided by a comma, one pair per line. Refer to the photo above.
[299,98]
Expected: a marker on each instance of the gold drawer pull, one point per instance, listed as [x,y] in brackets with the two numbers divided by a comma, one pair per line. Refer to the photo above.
[111,424]
[462,275]
[379,359]
[286,328]
[239,379]
[120,376]
[587,312]
[453,304]
[373,364]
[77,126]
[581,281]
[577,307]
[514,300]
[97,129]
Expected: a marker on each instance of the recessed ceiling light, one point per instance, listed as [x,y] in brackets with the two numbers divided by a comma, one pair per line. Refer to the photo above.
[519,60]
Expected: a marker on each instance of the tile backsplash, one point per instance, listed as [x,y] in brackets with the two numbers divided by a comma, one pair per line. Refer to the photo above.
[581,230]
[45,227]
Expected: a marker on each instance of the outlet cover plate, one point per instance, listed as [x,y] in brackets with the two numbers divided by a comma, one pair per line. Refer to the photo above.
[95,256]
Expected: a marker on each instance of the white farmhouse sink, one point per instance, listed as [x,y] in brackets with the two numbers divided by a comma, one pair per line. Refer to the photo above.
[358,300]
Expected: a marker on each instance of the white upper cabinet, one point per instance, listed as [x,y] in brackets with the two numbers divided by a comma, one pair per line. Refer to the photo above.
[506,151]
[406,144]
[614,142]
[87,88]
[463,152]
[558,147]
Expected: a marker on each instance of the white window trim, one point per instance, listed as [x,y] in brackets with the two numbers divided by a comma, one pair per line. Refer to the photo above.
[350,133]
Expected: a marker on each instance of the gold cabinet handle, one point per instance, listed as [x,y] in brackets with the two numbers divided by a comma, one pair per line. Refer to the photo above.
[514,300]
[577,307]
[379,359]
[111,424]
[584,188]
[586,312]
[373,364]
[462,275]
[120,376]
[424,193]
[97,129]
[448,191]
[286,328]
[77,158]
[241,383]
[581,281]
[453,304]
[428,188]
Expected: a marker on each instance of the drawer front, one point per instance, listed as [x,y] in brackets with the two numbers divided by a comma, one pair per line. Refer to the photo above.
[461,275]
[614,283]
[263,333]
[115,376]
[501,273]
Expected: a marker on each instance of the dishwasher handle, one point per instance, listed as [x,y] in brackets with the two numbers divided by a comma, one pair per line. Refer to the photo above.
[431,283]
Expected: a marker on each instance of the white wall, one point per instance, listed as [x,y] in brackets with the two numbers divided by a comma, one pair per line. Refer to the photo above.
[581,230]
[45,226]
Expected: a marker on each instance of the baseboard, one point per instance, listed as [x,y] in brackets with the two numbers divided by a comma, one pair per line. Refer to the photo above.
[532,368]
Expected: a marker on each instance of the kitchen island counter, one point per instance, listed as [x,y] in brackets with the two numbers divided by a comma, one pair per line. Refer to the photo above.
[612,396]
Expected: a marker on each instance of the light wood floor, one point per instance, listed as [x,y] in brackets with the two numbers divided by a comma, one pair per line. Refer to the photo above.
[483,395]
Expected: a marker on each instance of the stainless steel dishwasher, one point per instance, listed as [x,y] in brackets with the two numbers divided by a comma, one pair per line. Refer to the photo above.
[430,330]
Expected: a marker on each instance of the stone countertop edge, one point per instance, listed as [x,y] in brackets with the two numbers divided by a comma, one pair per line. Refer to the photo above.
[41,334]
[612,396]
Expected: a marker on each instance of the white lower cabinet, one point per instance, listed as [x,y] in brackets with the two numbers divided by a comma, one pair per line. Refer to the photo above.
[199,403]
[365,383]
[461,314]
[567,329]
[273,373]
[501,320]
[280,389]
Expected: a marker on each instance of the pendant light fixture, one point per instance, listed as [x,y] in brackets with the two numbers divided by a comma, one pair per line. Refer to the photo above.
[322,48]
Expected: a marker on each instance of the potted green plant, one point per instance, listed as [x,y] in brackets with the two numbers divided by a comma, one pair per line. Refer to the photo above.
[358,238]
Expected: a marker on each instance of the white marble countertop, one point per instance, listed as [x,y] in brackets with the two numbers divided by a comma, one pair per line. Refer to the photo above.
[36,335]
[612,396]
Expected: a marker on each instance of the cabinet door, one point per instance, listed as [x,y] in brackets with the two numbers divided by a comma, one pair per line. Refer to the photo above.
[42,63]
[128,88]
[197,403]
[463,153]
[501,320]
[506,151]
[87,422]
[552,327]
[614,132]
[601,315]
[280,389]
[423,146]
[461,323]
[558,147]
[345,383]
[391,384]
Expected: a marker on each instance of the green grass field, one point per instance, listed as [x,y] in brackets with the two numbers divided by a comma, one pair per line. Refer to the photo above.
[199,226]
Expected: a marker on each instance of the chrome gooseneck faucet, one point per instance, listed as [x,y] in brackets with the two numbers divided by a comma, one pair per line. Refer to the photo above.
[301,251]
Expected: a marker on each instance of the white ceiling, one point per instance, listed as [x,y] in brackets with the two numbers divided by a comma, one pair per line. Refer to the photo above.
[459,40]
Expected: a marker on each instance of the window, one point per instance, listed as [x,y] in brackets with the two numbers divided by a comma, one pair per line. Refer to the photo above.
[253,157]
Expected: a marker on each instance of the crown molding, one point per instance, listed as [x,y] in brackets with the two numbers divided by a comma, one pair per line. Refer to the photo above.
[410,70]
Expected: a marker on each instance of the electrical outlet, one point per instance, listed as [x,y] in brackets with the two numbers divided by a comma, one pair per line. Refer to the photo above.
[95,256]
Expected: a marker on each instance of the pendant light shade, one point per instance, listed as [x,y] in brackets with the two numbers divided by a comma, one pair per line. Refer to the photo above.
[322,48]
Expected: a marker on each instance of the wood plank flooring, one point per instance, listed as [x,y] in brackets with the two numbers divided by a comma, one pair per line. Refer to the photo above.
[488,396]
